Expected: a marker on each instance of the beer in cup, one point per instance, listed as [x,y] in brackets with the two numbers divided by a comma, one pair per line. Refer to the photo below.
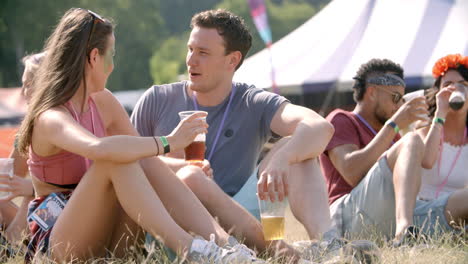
[272,217]
[195,152]
[458,97]
[6,168]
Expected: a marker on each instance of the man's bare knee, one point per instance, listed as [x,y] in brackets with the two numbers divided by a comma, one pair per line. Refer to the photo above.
[411,142]
[415,144]
[192,176]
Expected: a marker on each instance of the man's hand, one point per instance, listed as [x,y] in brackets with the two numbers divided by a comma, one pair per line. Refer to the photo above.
[411,111]
[274,178]
[205,166]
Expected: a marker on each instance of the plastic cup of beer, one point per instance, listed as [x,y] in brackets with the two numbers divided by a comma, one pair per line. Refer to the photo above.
[420,123]
[195,152]
[6,168]
[272,217]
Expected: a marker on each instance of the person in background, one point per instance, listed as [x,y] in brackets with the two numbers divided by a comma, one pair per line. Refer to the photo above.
[442,200]
[373,176]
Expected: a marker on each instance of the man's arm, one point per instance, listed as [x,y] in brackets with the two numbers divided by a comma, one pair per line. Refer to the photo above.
[353,163]
[310,134]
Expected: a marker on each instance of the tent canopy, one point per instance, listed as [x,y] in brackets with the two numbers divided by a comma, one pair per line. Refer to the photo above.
[330,47]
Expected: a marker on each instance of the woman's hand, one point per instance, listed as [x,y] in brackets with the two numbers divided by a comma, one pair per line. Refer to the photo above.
[16,186]
[187,130]
[442,101]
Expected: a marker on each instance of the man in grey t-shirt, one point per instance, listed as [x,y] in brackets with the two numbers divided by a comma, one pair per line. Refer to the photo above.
[218,43]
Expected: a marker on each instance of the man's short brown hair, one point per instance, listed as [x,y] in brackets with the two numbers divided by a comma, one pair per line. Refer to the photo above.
[232,29]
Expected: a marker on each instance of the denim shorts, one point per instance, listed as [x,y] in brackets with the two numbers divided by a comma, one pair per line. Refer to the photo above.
[430,216]
[247,195]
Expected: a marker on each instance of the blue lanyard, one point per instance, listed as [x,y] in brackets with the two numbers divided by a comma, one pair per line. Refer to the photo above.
[368,125]
[218,133]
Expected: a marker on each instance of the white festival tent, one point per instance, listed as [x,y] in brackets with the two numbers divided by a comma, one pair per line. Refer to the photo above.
[326,51]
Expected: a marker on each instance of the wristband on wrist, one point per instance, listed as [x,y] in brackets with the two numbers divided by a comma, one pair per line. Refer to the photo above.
[165,144]
[393,125]
[438,120]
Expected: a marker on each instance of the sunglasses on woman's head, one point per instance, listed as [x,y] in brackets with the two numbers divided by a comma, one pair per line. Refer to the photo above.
[96,19]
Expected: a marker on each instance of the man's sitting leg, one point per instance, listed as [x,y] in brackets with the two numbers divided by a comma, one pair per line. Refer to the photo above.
[309,203]
[237,220]
[386,196]
[405,162]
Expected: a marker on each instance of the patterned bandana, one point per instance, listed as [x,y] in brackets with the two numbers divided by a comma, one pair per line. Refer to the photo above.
[387,79]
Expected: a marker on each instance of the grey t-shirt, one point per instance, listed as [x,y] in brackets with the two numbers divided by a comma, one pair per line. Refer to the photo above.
[245,131]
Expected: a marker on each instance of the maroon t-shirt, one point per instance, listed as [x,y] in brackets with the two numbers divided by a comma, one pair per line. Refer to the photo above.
[349,129]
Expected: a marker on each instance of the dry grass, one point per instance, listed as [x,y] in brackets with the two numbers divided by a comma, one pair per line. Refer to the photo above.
[445,250]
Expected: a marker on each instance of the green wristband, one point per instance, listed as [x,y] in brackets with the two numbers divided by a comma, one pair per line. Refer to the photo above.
[393,125]
[438,120]
[165,144]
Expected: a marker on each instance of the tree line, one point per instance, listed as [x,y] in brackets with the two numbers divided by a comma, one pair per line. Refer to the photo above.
[151,35]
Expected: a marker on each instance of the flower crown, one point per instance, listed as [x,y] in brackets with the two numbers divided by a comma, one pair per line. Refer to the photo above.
[451,61]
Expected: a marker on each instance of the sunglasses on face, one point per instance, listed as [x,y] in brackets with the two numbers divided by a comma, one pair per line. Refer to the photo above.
[396,97]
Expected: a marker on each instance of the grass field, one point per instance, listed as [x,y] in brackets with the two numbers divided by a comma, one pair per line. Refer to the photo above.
[446,250]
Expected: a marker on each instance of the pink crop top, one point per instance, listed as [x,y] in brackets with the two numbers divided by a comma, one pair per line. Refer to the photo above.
[66,169]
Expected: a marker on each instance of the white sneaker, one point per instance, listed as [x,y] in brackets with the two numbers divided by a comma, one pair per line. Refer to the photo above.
[234,245]
[202,251]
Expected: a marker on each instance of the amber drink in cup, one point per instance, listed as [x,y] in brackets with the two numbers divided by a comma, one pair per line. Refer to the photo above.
[195,152]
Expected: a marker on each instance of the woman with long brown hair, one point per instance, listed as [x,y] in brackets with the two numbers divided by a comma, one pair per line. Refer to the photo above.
[97,182]
[442,200]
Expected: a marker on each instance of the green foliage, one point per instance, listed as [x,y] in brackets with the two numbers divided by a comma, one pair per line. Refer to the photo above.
[169,60]
[151,35]
[25,25]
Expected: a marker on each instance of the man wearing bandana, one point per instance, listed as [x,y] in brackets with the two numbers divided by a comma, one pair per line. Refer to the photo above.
[373,177]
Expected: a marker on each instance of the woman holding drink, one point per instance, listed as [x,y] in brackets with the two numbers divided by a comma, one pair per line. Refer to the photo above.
[97,182]
[444,183]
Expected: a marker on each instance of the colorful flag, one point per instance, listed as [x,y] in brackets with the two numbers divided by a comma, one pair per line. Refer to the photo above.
[260,17]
